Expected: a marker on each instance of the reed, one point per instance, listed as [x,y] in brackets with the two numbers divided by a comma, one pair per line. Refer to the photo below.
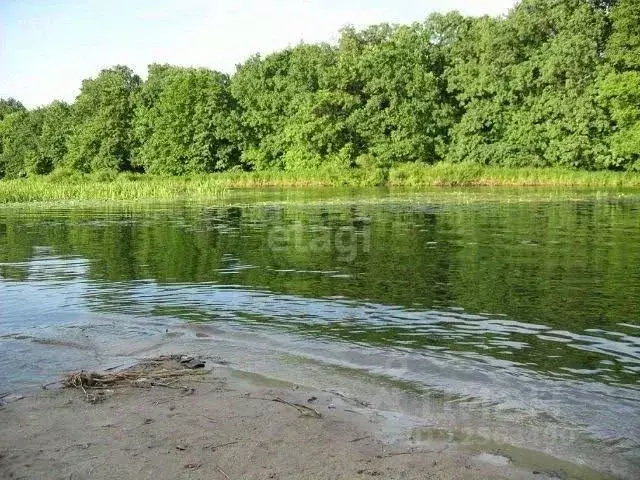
[471,174]
[129,186]
[120,187]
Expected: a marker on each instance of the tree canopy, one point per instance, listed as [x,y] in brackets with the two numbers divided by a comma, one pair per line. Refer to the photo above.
[102,133]
[620,88]
[184,122]
[552,83]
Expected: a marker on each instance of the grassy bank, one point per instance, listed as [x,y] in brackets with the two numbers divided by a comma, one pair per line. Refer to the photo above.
[474,175]
[214,186]
[122,187]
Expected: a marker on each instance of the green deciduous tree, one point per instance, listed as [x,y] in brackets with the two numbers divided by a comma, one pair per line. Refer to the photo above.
[19,132]
[102,136]
[620,87]
[527,87]
[184,122]
[34,142]
[7,107]
[552,83]
[275,98]
[56,128]
[405,112]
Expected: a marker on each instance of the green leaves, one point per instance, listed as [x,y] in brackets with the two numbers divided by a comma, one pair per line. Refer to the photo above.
[19,132]
[276,104]
[102,135]
[553,83]
[8,106]
[184,122]
[33,142]
[620,86]
[56,128]
[623,45]
[528,86]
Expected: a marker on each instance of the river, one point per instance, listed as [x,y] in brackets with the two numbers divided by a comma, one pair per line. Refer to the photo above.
[511,316]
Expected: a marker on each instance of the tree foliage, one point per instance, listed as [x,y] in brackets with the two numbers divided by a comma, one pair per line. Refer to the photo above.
[34,142]
[527,84]
[184,122]
[620,88]
[7,107]
[19,132]
[553,83]
[102,135]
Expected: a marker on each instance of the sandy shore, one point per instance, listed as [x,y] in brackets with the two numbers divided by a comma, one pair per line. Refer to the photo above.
[225,424]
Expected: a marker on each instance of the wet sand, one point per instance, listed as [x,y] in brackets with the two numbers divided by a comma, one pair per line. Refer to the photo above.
[225,425]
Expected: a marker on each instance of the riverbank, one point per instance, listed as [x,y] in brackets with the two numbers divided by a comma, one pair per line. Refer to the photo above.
[228,424]
[57,187]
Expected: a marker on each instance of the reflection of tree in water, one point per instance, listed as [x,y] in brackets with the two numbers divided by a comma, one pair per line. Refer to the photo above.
[570,266]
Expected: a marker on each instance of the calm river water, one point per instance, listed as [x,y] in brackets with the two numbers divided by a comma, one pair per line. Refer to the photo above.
[507,318]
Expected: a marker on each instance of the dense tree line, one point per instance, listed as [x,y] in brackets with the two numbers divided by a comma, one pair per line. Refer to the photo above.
[553,83]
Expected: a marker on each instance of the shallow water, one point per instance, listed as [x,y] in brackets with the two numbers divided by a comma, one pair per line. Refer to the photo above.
[515,318]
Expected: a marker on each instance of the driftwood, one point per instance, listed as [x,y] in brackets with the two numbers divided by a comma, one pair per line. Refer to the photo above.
[302,409]
[157,372]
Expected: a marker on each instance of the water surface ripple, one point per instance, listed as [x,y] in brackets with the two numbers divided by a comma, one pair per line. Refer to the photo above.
[519,311]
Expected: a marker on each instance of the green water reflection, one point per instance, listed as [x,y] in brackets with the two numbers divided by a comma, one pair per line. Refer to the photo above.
[551,285]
